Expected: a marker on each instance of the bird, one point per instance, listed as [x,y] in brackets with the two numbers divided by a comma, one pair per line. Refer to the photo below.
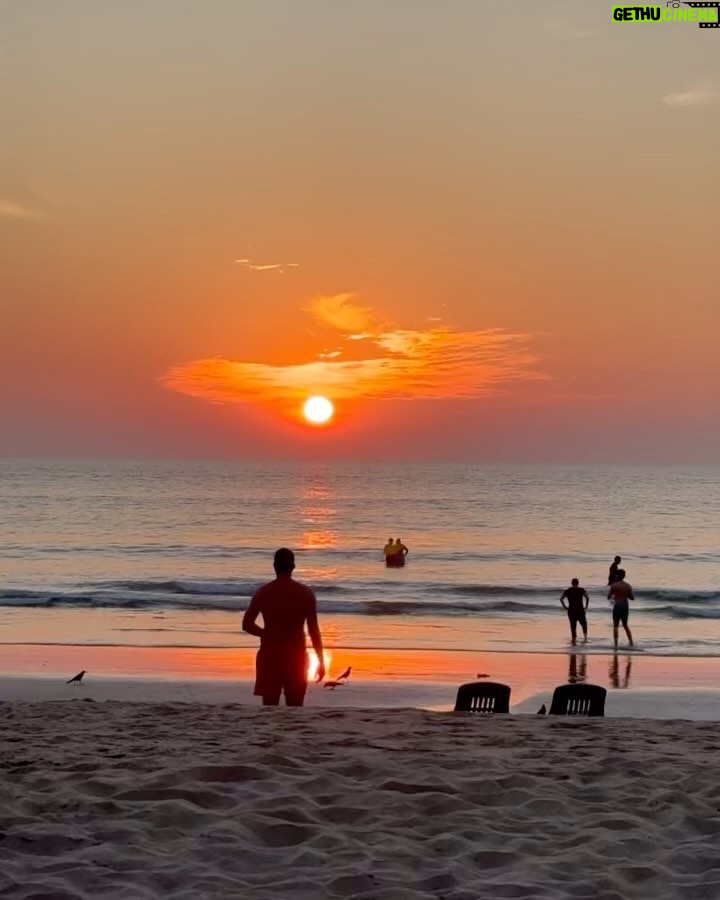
[482,675]
[333,684]
[542,711]
[77,679]
[346,673]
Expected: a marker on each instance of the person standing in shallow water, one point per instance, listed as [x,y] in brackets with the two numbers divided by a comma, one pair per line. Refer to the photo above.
[281,666]
[400,549]
[614,569]
[395,553]
[577,604]
[620,594]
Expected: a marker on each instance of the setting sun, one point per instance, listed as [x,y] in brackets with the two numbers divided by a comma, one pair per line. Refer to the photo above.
[318,410]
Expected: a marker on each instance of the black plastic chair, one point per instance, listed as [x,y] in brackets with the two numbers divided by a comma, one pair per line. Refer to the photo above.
[483,697]
[578,700]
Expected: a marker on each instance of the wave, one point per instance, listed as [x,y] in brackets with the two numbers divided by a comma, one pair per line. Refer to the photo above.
[217,603]
[359,598]
[236,587]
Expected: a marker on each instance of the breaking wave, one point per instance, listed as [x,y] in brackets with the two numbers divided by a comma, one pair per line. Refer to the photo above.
[371,598]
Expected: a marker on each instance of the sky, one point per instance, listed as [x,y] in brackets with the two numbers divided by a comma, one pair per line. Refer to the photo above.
[485,230]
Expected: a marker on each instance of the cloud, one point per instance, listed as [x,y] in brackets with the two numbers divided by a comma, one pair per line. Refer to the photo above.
[341,313]
[437,362]
[698,95]
[266,267]
[9,210]
[568,32]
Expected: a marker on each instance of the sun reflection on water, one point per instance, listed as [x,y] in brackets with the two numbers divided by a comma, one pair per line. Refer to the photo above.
[313,663]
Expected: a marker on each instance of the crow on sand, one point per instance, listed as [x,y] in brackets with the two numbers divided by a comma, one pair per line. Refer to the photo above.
[77,679]
[339,681]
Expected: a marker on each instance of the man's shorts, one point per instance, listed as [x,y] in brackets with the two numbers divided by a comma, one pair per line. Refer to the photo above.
[281,670]
[620,613]
[577,617]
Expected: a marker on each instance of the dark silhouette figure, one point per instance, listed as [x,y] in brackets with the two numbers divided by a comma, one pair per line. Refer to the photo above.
[333,684]
[346,673]
[577,604]
[483,697]
[285,605]
[542,711]
[620,594]
[77,679]
[613,573]
[395,554]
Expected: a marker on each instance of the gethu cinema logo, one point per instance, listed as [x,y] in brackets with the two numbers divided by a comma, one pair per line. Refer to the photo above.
[707,15]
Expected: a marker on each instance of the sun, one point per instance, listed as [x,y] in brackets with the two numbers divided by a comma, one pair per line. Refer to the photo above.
[318,410]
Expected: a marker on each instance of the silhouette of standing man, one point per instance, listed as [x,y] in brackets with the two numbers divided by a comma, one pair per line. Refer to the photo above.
[285,605]
[576,608]
[614,569]
[620,594]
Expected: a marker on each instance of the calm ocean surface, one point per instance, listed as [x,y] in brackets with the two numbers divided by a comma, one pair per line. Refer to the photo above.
[167,554]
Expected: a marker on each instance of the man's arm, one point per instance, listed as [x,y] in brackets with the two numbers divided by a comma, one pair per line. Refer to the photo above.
[587,599]
[315,636]
[251,614]
[631,596]
[562,597]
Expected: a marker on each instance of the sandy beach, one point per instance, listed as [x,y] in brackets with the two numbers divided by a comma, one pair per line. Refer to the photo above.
[189,800]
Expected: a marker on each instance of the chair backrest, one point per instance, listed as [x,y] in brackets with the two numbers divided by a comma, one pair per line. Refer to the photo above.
[483,697]
[578,700]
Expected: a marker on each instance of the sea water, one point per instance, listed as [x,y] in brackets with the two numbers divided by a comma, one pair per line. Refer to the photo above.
[169,553]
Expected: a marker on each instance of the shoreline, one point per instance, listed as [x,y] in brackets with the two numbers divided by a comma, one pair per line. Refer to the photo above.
[579,650]
[380,679]
[22,629]
[431,664]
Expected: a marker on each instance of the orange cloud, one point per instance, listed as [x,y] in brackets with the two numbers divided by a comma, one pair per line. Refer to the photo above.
[393,363]
[266,267]
[340,313]
[9,210]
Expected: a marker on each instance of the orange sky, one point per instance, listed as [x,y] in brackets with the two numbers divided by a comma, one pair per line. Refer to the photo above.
[487,230]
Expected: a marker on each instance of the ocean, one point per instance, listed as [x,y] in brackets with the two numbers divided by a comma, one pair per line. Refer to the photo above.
[167,554]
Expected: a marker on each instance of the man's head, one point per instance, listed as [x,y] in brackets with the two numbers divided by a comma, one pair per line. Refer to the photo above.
[575,582]
[618,560]
[390,540]
[621,574]
[284,561]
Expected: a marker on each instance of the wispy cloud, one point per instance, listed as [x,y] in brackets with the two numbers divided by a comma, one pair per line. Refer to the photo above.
[266,267]
[704,94]
[393,362]
[568,32]
[10,210]
[343,314]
